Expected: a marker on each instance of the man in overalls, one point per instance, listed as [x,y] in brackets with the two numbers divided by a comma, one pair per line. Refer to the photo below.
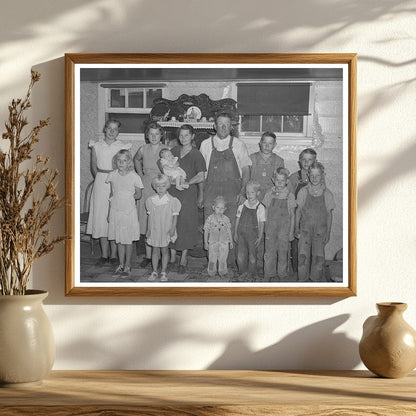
[228,171]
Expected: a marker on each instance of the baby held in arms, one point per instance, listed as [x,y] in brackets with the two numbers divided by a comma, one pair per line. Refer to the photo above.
[170,167]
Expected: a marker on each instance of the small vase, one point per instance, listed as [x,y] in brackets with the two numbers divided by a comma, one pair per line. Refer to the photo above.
[388,345]
[27,347]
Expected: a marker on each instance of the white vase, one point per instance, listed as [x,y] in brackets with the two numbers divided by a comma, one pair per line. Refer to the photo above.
[27,346]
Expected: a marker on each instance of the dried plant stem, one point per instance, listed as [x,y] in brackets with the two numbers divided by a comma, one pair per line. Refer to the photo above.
[24,216]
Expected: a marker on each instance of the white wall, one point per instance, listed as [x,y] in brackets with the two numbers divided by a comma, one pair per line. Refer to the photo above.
[199,333]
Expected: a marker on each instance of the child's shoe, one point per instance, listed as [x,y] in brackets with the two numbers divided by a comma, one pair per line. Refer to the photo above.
[223,274]
[126,272]
[243,277]
[212,270]
[118,271]
[102,261]
[163,277]
[113,261]
[152,277]
[145,262]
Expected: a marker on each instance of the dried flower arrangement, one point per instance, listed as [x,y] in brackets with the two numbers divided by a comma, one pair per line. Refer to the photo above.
[28,199]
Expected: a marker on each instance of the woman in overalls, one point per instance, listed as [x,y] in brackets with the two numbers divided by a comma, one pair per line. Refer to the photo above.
[228,170]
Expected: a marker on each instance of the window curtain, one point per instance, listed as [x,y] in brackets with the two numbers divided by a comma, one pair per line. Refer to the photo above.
[273,98]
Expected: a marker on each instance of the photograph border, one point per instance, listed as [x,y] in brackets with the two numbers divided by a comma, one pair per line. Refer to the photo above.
[71,60]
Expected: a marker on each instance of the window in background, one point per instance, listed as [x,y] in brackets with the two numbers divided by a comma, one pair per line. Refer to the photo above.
[283,108]
[130,104]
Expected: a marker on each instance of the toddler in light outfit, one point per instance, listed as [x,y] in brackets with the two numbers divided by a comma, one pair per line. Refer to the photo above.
[218,238]
[170,167]
[163,210]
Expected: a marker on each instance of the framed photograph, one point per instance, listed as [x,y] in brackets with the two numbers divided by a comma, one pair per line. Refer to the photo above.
[211,174]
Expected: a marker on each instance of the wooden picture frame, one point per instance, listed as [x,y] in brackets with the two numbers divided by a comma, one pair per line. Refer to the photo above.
[330,130]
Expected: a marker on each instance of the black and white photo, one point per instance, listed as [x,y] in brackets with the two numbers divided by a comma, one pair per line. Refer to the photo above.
[211,175]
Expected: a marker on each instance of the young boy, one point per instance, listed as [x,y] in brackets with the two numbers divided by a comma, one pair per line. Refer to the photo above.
[313,224]
[249,228]
[300,178]
[218,238]
[280,220]
[265,162]
[297,181]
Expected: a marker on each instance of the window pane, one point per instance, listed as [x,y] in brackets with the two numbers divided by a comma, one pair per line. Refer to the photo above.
[293,124]
[272,123]
[117,98]
[135,98]
[130,123]
[250,123]
[152,94]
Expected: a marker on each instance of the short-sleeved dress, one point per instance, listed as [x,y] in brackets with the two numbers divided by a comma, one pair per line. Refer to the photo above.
[150,171]
[188,236]
[123,224]
[97,220]
[161,212]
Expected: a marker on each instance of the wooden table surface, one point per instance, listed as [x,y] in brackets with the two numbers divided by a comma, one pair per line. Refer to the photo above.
[254,393]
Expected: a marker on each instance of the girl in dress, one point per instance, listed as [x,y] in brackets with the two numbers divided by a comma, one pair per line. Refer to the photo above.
[124,228]
[163,210]
[102,153]
[145,163]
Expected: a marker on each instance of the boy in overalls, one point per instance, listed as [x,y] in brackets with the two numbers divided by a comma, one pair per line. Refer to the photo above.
[265,162]
[280,220]
[297,181]
[249,228]
[313,224]
[228,170]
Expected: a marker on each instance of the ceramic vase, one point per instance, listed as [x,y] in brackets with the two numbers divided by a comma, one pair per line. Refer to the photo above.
[27,347]
[388,345]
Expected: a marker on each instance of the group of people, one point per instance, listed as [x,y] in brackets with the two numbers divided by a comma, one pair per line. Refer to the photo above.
[275,220]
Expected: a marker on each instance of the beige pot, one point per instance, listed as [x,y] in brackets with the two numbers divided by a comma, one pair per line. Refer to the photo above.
[27,347]
[388,345]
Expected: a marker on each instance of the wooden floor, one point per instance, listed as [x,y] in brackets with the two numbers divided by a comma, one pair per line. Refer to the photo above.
[196,269]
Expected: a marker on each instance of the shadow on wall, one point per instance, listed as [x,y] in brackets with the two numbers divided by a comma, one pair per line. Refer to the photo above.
[99,26]
[96,19]
[142,347]
[399,165]
[314,347]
